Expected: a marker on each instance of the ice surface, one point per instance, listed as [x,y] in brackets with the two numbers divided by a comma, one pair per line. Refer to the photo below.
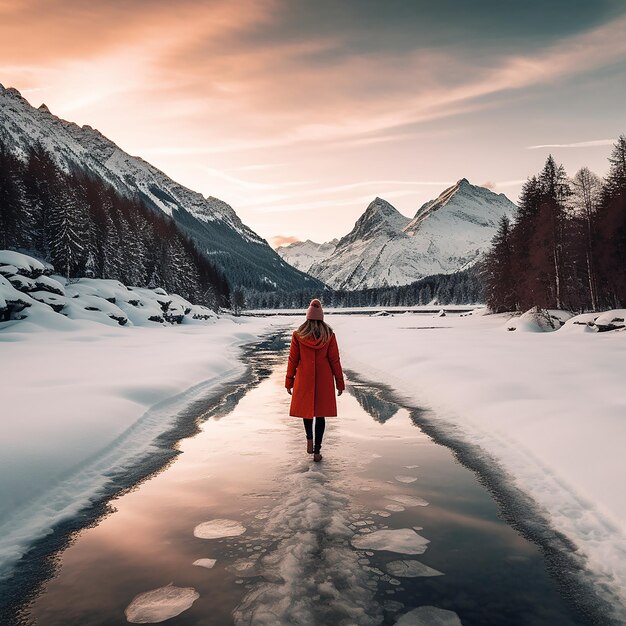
[88,401]
[403,541]
[429,616]
[525,400]
[218,528]
[311,576]
[208,563]
[160,604]
[407,500]
[410,569]
[405,479]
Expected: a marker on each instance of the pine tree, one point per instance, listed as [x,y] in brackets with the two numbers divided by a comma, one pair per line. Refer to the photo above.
[612,230]
[64,233]
[500,285]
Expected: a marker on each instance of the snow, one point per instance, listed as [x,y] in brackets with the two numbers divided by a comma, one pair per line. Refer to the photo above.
[160,604]
[613,319]
[402,540]
[429,616]
[218,528]
[311,559]
[384,248]
[85,399]
[545,408]
[411,569]
[24,264]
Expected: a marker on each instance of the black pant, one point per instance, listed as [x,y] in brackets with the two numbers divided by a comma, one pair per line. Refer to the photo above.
[320,425]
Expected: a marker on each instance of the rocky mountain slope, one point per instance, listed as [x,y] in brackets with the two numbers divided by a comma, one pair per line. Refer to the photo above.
[385,248]
[245,257]
[304,254]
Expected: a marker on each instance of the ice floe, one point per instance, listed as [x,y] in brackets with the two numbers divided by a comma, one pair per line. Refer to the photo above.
[429,616]
[208,563]
[407,500]
[410,569]
[160,604]
[402,540]
[218,528]
[311,575]
[396,508]
[405,479]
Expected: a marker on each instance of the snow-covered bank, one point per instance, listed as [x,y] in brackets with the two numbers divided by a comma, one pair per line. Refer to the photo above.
[549,407]
[85,398]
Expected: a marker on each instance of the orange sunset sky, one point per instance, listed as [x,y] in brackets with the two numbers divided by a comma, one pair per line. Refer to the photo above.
[299,113]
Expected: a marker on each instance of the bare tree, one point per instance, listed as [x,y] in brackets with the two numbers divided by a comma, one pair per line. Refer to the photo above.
[585,201]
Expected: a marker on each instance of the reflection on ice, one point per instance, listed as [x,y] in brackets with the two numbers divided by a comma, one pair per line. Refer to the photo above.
[410,569]
[160,604]
[217,528]
[372,403]
[403,541]
[429,616]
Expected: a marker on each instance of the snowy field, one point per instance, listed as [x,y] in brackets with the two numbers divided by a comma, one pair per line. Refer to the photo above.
[83,398]
[549,408]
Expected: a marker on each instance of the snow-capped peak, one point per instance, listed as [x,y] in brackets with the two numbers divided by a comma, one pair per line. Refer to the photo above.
[380,217]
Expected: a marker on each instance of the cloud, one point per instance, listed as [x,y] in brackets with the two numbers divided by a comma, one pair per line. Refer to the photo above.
[282,240]
[488,185]
[580,144]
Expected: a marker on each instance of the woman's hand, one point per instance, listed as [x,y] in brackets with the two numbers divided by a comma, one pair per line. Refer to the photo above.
[339,392]
[289,391]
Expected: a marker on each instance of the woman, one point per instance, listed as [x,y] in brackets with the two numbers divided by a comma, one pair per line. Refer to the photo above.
[312,372]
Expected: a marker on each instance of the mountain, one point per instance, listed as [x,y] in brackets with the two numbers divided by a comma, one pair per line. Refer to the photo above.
[303,254]
[385,248]
[246,258]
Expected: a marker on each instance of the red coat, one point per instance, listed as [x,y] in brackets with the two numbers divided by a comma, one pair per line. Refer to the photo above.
[310,372]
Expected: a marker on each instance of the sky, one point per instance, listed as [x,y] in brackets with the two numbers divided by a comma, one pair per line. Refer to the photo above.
[299,113]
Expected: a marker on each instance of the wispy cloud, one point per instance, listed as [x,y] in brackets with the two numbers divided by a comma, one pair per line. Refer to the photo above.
[253,185]
[283,240]
[579,144]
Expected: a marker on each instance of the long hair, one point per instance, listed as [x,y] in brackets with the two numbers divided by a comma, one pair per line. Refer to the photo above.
[315,329]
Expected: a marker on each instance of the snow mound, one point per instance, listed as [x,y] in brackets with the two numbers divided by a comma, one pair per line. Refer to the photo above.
[218,528]
[610,320]
[160,604]
[25,265]
[410,569]
[429,616]
[25,280]
[206,563]
[585,322]
[403,541]
[538,320]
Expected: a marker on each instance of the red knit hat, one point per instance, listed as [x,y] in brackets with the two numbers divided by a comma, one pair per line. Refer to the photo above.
[314,312]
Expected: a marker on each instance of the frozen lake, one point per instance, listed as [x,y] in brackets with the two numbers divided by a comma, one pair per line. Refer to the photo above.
[248,530]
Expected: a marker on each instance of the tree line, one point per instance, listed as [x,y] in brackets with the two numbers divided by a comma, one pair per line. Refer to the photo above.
[459,288]
[566,248]
[85,227]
